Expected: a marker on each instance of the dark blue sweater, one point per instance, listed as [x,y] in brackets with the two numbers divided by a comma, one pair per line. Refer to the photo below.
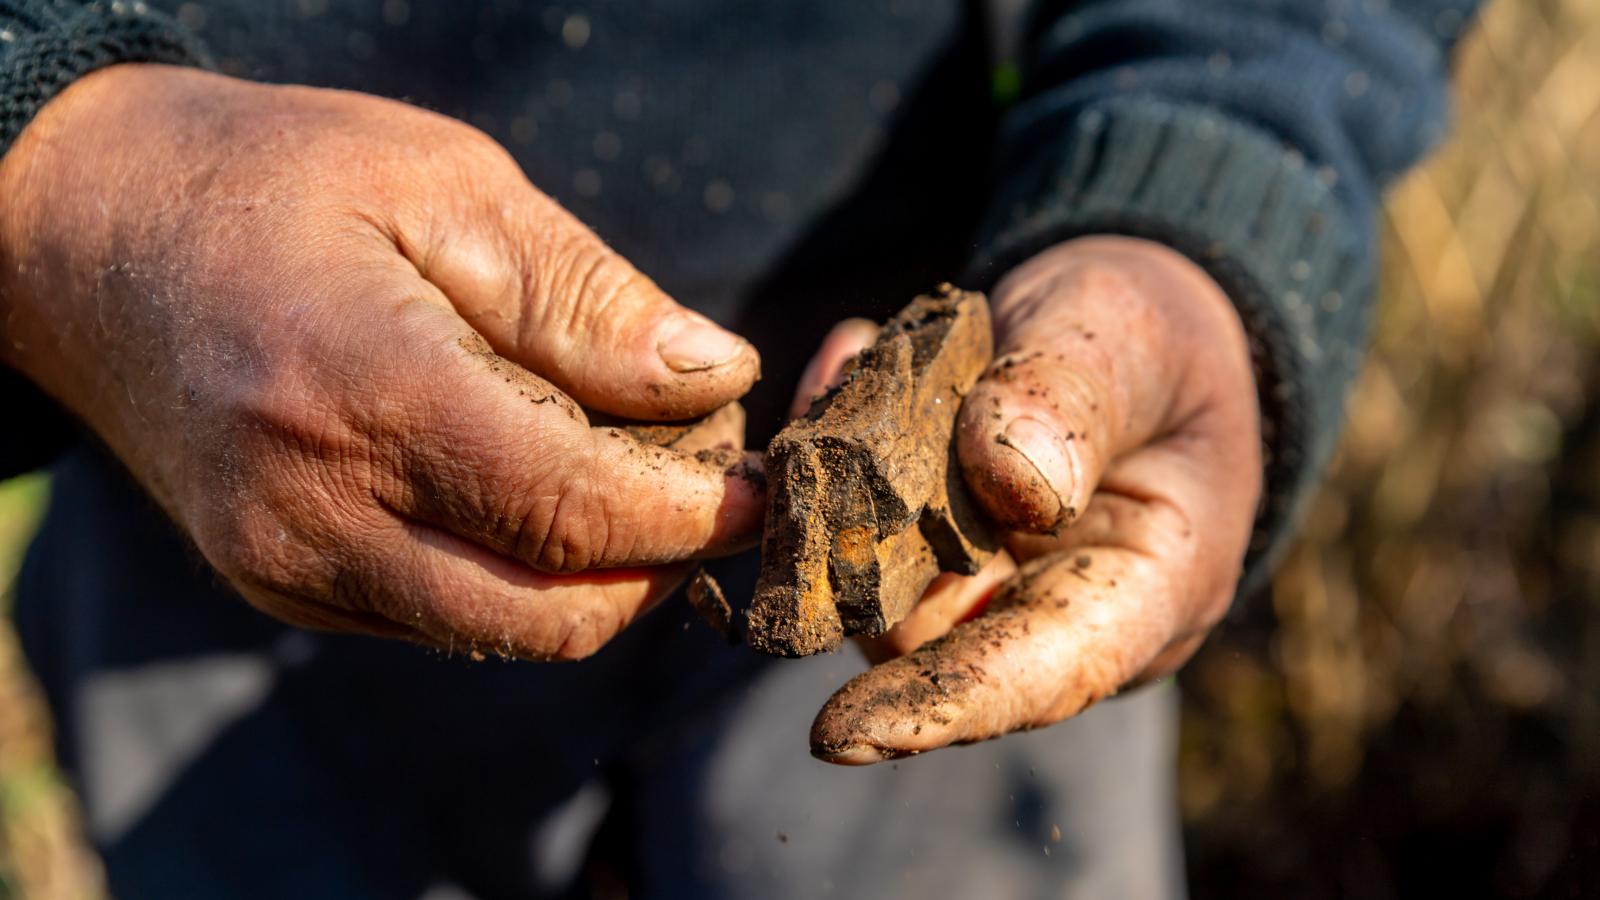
[780,165]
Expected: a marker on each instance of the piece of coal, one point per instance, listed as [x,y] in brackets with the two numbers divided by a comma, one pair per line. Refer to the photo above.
[865,501]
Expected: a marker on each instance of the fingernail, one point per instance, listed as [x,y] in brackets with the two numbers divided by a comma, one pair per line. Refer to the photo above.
[1046,451]
[692,343]
[852,755]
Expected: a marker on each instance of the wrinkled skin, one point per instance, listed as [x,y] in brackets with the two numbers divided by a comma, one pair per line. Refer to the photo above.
[344,343]
[1117,437]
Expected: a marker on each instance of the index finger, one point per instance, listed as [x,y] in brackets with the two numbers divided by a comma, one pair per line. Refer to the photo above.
[1067,632]
[494,454]
[1125,594]
[1102,345]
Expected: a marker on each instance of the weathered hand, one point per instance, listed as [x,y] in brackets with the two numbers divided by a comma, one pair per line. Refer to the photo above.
[1117,434]
[340,339]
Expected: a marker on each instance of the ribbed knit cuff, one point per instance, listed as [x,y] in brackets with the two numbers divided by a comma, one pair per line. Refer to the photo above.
[46,44]
[1265,225]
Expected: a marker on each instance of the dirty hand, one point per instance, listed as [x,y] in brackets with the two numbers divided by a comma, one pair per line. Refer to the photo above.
[339,339]
[1117,436]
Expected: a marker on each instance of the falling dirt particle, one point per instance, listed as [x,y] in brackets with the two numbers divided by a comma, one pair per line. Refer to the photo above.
[1055,834]
[725,458]
[476,655]
[706,596]
[783,838]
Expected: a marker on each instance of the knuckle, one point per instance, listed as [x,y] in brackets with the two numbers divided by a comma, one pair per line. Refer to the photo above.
[584,282]
[445,145]
[296,454]
[478,152]
[278,402]
[582,635]
[249,547]
[562,529]
[1105,281]
[272,500]
[1078,392]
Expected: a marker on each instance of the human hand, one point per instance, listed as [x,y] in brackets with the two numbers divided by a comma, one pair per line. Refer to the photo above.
[1116,436]
[345,343]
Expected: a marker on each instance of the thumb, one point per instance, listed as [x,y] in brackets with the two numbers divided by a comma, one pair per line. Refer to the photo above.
[547,293]
[1083,373]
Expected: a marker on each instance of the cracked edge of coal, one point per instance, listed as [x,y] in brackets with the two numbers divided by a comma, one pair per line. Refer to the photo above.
[707,598]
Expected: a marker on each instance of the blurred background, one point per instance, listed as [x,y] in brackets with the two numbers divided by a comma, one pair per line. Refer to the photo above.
[1415,710]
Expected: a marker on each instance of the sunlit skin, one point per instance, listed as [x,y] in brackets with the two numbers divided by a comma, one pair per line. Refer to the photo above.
[276,305]
[1131,503]
[346,345]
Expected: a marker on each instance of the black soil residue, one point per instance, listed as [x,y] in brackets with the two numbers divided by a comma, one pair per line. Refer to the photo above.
[538,391]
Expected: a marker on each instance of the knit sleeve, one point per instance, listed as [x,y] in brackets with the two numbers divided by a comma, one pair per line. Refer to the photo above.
[1254,136]
[44,46]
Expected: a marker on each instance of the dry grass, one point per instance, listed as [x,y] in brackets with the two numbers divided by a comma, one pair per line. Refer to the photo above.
[1420,704]
[1418,707]
[42,854]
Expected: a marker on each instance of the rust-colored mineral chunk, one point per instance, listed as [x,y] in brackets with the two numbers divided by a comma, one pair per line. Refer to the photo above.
[866,504]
